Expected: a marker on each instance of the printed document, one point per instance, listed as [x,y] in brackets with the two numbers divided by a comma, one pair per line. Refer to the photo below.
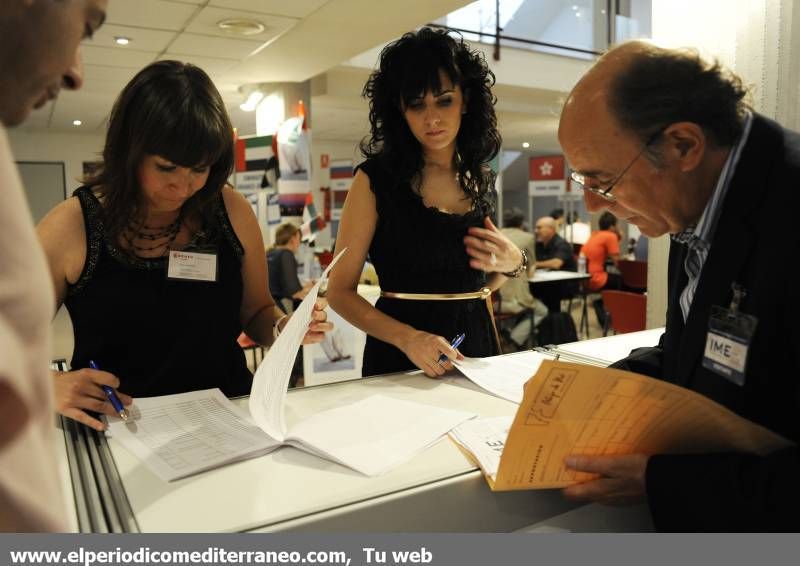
[503,376]
[579,409]
[181,435]
[484,440]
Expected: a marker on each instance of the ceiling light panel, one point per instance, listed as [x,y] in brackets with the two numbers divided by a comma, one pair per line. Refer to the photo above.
[153,40]
[293,8]
[154,14]
[220,47]
[207,23]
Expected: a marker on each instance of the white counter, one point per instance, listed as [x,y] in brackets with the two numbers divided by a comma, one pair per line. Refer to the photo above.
[438,490]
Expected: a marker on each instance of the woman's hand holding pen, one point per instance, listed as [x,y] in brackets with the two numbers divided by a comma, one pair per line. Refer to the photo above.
[319,323]
[425,349]
[491,250]
[81,390]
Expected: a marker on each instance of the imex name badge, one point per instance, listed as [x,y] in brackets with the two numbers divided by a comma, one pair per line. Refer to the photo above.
[730,333]
[192,266]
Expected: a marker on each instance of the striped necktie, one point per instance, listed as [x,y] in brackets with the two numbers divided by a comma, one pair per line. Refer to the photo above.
[696,255]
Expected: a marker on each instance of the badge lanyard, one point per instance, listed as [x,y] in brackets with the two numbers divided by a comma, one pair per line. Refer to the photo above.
[730,333]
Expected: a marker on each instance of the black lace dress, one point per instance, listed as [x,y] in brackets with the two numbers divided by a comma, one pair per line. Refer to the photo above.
[417,249]
[157,335]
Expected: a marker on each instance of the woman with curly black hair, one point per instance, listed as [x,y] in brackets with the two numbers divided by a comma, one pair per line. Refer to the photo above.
[420,206]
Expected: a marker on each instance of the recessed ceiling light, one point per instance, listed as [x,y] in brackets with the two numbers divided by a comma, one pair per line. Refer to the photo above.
[122,40]
[76,122]
[241,26]
[526,145]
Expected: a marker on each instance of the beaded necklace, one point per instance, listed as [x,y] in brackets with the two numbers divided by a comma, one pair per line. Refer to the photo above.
[167,233]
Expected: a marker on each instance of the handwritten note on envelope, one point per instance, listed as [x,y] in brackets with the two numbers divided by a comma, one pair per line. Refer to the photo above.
[576,409]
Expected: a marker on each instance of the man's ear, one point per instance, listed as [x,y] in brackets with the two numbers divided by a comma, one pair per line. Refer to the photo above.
[686,143]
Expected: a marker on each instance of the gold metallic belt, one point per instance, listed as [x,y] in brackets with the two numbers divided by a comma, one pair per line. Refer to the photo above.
[484,294]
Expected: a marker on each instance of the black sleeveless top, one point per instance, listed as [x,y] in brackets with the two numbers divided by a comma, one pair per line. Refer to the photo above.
[419,249]
[157,335]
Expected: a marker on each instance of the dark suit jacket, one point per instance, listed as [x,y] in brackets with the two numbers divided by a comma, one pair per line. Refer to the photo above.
[753,245]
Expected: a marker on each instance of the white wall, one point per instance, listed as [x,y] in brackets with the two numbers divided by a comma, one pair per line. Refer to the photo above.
[71,149]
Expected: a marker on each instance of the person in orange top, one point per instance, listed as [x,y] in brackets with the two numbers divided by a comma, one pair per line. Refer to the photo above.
[602,245]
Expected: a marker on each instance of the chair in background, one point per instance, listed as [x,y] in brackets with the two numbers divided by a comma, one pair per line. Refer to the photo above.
[633,273]
[625,312]
[248,345]
[505,321]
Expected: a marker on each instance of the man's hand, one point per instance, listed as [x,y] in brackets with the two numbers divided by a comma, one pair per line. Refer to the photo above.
[621,481]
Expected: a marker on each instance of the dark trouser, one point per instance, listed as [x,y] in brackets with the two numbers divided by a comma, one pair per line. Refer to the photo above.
[551,293]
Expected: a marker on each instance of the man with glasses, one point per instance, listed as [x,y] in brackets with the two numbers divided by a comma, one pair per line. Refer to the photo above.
[664,140]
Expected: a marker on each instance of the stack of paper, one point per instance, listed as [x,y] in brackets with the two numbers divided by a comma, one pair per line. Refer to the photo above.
[484,439]
[503,376]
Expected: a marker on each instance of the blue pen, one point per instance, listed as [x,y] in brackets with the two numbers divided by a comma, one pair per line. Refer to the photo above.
[112,396]
[454,343]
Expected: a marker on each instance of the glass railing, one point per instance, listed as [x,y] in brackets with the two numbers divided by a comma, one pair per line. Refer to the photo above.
[574,28]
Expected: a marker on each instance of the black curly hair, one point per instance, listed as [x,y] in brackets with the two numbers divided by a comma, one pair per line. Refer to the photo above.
[410,67]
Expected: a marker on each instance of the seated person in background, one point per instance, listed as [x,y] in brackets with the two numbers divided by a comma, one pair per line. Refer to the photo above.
[641,248]
[554,252]
[154,325]
[282,267]
[515,292]
[601,247]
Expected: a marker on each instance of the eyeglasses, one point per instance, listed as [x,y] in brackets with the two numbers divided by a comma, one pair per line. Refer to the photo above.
[604,191]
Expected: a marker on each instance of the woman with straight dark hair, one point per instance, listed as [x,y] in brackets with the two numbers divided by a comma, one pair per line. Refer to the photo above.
[161,264]
[283,279]
[420,205]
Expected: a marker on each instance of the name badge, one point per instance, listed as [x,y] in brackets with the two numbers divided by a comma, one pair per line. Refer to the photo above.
[730,333]
[192,266]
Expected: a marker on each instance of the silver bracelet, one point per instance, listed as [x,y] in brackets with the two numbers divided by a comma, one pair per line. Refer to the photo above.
[521,267]
[275,330]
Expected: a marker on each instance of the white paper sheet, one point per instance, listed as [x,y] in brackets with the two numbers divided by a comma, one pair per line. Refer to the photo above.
[180,435]
[502,376]
[375,434]
[271,380]
[485,439]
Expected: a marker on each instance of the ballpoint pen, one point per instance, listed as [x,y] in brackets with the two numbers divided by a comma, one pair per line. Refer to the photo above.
[454,343]
[112,396]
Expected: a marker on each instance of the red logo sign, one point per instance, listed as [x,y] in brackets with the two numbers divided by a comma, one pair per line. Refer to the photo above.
[546,168]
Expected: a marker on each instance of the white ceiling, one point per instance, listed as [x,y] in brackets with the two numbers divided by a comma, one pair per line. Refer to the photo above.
[302,39]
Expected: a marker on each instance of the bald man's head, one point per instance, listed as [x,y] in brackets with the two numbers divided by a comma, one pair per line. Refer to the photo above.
[644,88]
[545,229]
[650,124]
